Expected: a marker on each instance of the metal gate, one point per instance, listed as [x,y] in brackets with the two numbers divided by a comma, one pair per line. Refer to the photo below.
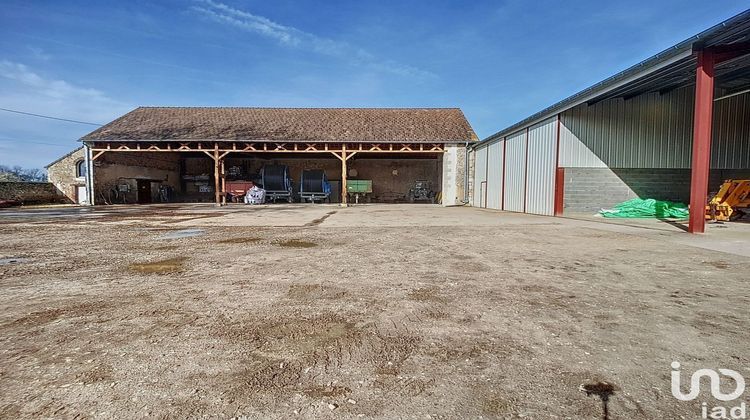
[480,178]
[494,175]
[515,171]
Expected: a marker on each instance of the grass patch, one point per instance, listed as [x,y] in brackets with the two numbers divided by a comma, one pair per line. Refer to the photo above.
[171,265]
[296,243]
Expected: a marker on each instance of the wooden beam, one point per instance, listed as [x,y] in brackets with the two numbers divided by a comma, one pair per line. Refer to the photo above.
[343,158]
[223,183]
[209,152]
[99,153]
[217,195]
[350,155]
[269,147]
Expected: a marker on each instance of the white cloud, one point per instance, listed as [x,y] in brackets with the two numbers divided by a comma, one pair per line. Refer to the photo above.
[294,38]
[39,54]
[33,142]
[26,90]
[223,13]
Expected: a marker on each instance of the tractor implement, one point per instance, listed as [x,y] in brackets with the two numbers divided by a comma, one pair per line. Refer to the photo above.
[731,202]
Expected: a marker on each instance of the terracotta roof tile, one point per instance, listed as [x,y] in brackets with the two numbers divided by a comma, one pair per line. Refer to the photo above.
[290,124]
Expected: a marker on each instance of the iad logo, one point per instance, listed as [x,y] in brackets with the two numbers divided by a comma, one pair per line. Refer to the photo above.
[717,412]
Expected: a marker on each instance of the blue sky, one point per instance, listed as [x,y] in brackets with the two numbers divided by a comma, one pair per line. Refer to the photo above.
[499,61]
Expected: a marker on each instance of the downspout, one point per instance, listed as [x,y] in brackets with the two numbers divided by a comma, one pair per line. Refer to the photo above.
[466,174]
[89,175]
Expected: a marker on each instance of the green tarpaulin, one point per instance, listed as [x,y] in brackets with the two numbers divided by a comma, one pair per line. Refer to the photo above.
[640,208]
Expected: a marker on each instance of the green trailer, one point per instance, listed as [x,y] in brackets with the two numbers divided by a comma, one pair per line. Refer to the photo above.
[359,188]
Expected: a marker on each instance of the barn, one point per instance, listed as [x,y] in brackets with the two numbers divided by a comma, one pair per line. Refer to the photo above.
[671,127]
[192,154]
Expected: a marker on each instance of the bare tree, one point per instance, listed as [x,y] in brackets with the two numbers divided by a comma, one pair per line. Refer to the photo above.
[19,174]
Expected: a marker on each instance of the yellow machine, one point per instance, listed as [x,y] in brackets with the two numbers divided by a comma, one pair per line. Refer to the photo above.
[731,202]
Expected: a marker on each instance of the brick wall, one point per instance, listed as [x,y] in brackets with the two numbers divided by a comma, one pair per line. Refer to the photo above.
[30,192]
[590,189]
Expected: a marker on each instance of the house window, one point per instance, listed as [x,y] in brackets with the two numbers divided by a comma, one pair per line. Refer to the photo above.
[81,169]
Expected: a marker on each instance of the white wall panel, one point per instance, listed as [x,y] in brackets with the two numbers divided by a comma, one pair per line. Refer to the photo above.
[494,175]
[515,171]
[480,177]
[540,178]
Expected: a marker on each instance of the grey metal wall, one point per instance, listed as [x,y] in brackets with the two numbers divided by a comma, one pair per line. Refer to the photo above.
[494,175]
[731,133]
[652,131]
[515,171]
[480,176]
[542,163]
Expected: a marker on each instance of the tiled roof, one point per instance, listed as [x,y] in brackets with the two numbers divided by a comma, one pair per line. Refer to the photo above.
[438,125]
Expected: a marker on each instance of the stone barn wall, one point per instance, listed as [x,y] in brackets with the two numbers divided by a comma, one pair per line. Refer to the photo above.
[63,175]
[113,169]
[391,177]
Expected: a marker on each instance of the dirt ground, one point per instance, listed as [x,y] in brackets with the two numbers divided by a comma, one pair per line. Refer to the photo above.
[371,311]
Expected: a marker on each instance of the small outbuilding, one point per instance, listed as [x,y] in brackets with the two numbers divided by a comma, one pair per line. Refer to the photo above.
[68,175]
[187,154]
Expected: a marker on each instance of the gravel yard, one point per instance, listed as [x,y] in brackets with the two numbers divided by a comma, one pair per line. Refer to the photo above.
[371,311]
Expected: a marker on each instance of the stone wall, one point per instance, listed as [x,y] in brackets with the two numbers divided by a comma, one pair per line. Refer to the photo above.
[454,174]
[31,193]
[63,174]
[391,177]
[115,169]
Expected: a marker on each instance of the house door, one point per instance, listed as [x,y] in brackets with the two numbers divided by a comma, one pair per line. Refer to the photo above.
[144,191]
[81,195]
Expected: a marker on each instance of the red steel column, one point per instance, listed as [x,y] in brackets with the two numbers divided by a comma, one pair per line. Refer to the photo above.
[704,103]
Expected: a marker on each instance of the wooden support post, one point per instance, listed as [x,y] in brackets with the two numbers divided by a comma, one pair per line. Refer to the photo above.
[344,195]
[217,184]
[223,184]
